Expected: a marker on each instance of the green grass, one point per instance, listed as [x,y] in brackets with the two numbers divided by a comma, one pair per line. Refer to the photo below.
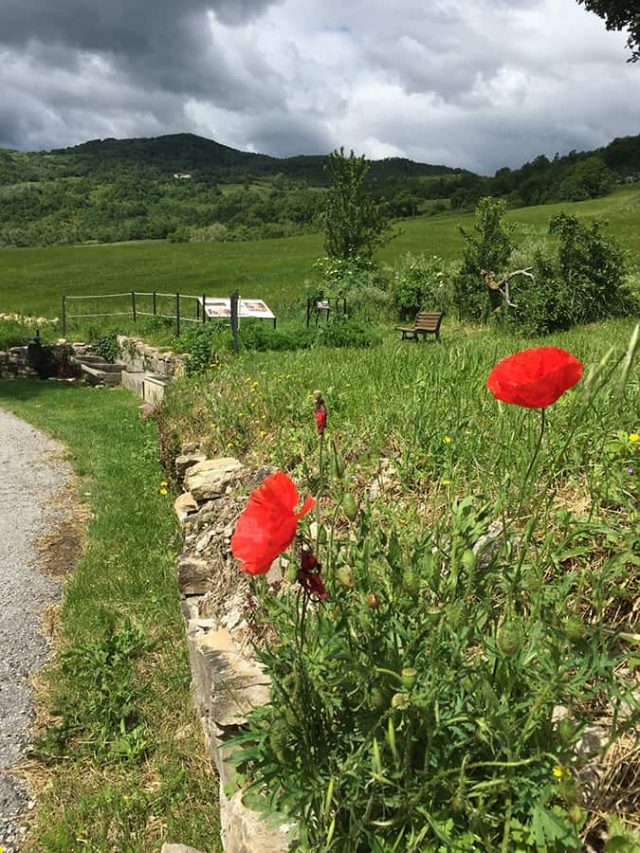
[452,459]
[109,788]
[398,400]
[33,280]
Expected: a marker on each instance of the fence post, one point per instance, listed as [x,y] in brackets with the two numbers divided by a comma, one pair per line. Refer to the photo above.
[204,313]
[64,316]
[133,305]
[155,303]
[178,314]
[234,299]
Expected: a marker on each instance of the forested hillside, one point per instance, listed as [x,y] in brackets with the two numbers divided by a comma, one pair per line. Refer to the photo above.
[183,187]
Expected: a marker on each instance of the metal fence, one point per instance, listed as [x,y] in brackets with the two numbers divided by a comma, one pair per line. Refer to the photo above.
[141,304]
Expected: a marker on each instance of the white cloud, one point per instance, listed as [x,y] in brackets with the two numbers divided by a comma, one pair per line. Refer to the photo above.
[469,83]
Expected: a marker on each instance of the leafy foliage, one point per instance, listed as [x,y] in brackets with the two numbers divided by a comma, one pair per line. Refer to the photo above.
[488,247]
[420,283]
[355,225]
[584,282]
[619,15]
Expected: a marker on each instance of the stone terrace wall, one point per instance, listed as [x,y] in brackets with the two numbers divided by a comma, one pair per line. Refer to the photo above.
[226,678]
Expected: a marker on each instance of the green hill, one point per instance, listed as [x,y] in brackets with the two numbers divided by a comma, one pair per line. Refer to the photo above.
[188,188]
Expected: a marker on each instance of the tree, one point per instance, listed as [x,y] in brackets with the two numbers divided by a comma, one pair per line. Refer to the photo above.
[355,225]
[619,15]
[488,249]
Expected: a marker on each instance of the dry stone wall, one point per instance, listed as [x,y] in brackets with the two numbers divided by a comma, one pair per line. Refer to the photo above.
[216,601]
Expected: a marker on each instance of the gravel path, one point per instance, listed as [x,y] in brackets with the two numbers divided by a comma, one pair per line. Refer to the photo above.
[30,475]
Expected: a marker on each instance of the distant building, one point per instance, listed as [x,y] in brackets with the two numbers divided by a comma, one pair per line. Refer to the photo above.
[182,176]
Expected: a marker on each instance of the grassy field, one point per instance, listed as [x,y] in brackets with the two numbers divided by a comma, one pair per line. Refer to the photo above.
[33,280]
[120,765]
[431,459]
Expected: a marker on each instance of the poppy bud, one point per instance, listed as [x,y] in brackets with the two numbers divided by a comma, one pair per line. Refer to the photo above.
[373,602]
[409,677]
[292,573]
[336,462]
[566,731]
[412,582]
[376,698]
[574,629]
[344,576]
[510,638]
[575,814]
[320,412]
[350,508]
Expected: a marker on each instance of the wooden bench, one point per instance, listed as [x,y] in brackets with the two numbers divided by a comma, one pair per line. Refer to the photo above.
[426,323]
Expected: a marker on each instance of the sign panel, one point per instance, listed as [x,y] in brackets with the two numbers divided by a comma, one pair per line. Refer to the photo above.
[219,307]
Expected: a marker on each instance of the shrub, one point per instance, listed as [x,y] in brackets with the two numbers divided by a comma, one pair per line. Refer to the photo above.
[419,283]
[107,347]
[583,282]
[348,333]
[488,246]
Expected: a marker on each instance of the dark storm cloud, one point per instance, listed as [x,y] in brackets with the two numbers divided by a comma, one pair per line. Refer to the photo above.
[474,83]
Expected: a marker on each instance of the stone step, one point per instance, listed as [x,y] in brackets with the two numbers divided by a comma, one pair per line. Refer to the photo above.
[99,376]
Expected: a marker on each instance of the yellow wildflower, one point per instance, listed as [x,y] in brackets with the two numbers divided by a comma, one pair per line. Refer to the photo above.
[634,436]
[446,482]
[263,432]
[447,439]
[559,772]
[164,483]
[164,491]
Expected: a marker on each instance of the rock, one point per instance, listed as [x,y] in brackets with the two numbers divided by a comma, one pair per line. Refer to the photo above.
[204,540]
[488,546]
[186,461]
[193,576]
[592,742]
[227,685]
[178,848]
[210,479]
[185,505]
[243,831]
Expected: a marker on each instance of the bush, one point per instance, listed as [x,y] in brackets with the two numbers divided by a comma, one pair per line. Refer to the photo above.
[584,282]
[420,283]
[107,347]
[348,333]
[489,247]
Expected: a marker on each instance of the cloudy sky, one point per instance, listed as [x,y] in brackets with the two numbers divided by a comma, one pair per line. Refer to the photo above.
[472,83]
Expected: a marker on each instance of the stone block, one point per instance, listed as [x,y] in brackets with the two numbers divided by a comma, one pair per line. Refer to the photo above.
[186,461]
[243,831]
[194,575]
[210,479]
[154,389]
[185,505]
[231,685]
[133,382]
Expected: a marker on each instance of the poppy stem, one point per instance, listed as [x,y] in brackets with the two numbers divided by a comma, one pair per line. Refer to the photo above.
[536,450]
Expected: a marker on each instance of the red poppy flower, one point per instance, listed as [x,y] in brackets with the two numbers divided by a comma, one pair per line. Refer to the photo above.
[309,576]
[534,378]
[268,525]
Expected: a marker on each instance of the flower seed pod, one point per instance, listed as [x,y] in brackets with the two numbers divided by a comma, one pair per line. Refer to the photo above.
[344,576]
[575,814]
[373,601]
[409,677]
[400,701]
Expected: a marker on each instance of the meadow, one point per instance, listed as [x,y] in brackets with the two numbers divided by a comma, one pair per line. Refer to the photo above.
[33,280]
[430,677]
[439,696]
